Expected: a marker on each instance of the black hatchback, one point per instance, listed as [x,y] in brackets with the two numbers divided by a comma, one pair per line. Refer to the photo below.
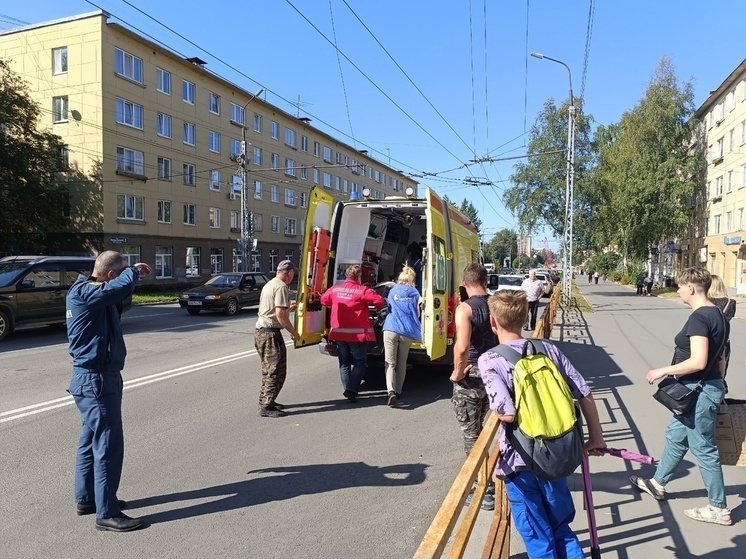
[224,292]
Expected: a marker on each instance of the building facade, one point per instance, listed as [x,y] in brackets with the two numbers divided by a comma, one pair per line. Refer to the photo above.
[151,143]
[717,237]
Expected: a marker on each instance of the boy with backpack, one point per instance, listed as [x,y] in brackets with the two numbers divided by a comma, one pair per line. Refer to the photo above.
[532,386]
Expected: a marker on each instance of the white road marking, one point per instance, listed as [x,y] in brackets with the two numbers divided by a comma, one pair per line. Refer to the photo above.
[34,409]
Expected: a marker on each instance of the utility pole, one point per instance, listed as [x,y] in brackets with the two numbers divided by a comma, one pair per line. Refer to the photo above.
[247,223]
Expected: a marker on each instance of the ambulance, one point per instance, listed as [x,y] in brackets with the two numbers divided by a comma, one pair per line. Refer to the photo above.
[375,234]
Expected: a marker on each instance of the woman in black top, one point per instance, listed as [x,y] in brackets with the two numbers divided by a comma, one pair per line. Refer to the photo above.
[718,295]
[698,357]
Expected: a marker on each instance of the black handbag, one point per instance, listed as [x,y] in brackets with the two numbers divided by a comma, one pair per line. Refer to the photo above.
[678,397]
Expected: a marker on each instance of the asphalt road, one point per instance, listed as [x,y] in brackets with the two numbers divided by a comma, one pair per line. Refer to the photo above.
[212,478]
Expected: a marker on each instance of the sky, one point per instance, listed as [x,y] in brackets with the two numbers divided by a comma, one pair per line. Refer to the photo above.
[426,86]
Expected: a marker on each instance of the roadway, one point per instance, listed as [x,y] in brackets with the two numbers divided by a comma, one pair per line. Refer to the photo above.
[212,478]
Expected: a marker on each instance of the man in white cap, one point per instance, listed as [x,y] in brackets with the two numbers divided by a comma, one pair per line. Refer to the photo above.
[273,316]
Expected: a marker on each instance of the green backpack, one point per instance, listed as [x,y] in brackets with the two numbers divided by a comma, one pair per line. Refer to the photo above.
[547,432]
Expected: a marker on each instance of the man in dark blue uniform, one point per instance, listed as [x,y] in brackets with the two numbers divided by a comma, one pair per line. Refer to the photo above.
[94,306]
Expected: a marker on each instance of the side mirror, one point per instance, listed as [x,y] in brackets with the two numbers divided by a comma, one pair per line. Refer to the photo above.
[26,284]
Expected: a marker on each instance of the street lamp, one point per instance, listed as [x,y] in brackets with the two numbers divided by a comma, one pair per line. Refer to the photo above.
[246,221]
[569,188]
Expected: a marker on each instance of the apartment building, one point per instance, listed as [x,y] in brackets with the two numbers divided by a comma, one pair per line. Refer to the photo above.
[718,238]
[150,141]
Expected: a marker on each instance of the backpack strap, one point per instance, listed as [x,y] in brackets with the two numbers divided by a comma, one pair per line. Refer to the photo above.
[511,355]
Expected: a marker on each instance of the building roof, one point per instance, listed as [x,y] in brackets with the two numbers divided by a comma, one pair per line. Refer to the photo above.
[716,94]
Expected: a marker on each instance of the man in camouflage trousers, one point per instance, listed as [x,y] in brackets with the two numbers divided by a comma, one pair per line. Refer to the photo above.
[474,336]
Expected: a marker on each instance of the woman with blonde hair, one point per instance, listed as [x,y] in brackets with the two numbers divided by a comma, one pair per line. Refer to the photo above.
[719,295]
[400,329]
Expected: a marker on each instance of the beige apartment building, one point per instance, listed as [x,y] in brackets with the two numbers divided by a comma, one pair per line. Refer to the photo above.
[718,237]
[150,138]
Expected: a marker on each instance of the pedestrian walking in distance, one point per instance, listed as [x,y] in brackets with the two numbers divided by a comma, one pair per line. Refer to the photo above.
[272,318]
[351,327]
[93,310]
[401,327]
[534,289]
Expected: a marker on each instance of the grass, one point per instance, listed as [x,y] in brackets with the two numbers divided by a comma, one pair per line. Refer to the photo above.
[666,292]
[578,299]
[152,297]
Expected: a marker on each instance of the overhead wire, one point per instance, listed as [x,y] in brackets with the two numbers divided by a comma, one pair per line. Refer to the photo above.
[473,89]
[588,35]
[525,77]
[341,74]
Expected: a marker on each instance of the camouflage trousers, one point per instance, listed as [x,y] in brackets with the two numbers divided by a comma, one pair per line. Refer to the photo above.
[471,405]
[270,345]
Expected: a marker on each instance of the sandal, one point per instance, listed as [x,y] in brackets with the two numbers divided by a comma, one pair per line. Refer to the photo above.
[710,514]
[645,485]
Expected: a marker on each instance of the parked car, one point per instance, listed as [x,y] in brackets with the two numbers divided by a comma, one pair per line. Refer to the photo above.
[227,292]
[33,289]
[498,282]
[547,280]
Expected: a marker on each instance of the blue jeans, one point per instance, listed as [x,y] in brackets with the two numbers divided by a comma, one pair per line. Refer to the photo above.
[98,467]
[542,511]
[696,432]
[352,359]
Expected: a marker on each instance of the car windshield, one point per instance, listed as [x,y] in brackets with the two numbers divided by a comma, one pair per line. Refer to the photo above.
[225,280]
[9,272]
[508,280]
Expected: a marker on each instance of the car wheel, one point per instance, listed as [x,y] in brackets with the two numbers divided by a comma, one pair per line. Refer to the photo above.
[5,327]
[193,311]
[231,307]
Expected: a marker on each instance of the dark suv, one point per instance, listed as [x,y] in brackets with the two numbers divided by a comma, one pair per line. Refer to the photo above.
[33,289]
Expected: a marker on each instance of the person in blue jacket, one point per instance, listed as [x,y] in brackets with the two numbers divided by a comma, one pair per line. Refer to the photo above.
[400,329]
[93,310]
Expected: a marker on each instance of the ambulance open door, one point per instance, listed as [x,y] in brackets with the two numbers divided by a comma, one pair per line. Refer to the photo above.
[310,315]
[435,286]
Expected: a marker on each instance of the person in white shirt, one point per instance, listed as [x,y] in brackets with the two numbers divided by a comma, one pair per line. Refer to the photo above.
[534,289]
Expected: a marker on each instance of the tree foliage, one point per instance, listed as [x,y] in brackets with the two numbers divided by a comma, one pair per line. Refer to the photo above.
[503,245]
[31,200]
[468,209]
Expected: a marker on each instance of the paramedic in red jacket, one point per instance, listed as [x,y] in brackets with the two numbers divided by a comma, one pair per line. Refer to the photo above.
[351,328]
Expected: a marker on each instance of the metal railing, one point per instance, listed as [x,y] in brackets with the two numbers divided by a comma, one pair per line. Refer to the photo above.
[452,524]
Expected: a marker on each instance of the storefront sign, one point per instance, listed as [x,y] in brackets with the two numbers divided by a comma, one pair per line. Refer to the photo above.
[118,240]
[703,254]
[734,240]
[684,247]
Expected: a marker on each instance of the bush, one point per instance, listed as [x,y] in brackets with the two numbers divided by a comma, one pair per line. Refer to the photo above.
[627,280]
[616,276]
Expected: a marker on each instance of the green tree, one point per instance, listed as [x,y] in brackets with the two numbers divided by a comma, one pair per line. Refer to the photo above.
[647,173]
[468,209]
[31,199]
[503,245]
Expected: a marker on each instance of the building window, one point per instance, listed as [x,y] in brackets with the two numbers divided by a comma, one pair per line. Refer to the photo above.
[215,218]
[236,184]
[256,261]
[303,143]
[188,92]
[192,261]
[316,149]
[718,186]
[275,224]
[189,173]
[257,123]
[238,114]
[163,262]
[235,220]
[327,154]
[337,183]
[163,81]
[164,211]
[216,260]
[728,222]
[719,152]
[316,176]
[258,156]
[743,130]
[63,164]
[731,139]
[339,158]
[258,190]
[164,168]
[290,167]
[214,142]
[289,137]
[289,254]
[289,197]
[235,147]
[275,130]
[742,180]
[291,226]
[304,173]
[345,186]
[128,66]
[377,176]
[717,225]
[214,103]
[327,180]
[59,60]
[258,222]
[740,219]
[274,161]
[304,199]
[130,207]
[190,133]
[59,109]
[215,180]
[163,125]
[131,253]
[129,113]
[355,188]
[130,161]
[275,193]
[190,214]
[730,181]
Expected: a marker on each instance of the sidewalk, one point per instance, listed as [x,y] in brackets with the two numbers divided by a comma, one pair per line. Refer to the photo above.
[614,347]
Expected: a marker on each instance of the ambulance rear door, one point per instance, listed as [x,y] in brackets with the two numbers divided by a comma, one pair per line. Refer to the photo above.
[310,316]
[435,286]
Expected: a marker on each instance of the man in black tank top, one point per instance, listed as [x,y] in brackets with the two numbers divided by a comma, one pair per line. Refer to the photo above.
[474,336]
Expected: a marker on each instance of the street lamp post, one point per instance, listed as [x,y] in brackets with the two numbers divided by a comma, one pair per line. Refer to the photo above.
[246,221]
[569,188]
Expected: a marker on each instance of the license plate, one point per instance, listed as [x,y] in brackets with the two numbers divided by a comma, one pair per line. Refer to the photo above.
[194,303]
